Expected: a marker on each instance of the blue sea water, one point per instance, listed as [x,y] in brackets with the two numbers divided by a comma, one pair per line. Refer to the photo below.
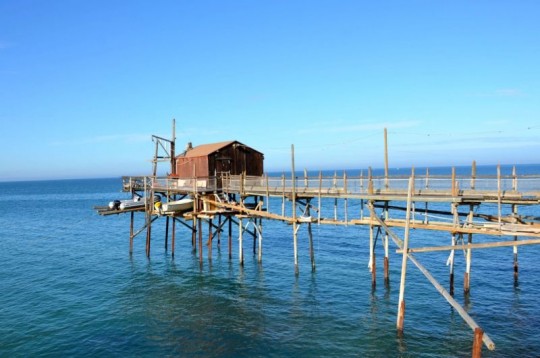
[70,288]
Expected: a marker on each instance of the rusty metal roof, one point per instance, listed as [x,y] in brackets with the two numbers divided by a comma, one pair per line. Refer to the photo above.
[205,149]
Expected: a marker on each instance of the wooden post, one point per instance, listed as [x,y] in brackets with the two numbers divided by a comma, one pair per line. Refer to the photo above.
[454,189]
[240,242]
[219,231]
[371,264]
[477,342]
[131,233]
[210,238]
[401,304]
[259,229]
[385,158]
[295,224]
[200,241]
[473,175]
[310,235]
[194,233]
[370,181]
[467,278]
[173,238]
[450,261]
[166,233]
[230,237]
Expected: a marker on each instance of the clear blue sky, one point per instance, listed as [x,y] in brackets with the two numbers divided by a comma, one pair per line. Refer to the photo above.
[84,84]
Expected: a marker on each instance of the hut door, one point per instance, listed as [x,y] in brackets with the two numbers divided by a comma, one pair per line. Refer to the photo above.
[223,167]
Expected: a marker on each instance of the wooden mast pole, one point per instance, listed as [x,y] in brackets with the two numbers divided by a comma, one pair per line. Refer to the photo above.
[295,224]
[401,304]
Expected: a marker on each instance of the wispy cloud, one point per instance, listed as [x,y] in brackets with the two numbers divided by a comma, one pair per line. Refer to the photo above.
[113,138]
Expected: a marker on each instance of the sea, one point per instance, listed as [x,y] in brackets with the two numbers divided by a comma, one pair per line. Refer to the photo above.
[69,287]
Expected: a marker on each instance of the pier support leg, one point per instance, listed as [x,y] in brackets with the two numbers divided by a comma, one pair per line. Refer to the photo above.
[311,250]
[200,241]
[260,250]
[148,233]
[219,231]
[173,236]
[450,262]
[477,343]
[295,246]
[386,262]
[210,238]
[230,237]
[240,242]
[194,234]
[166,233]
[371,264]
[467,278]
[131,233]
[401,304]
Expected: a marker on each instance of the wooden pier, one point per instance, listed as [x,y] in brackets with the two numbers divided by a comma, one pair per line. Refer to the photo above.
[415,201]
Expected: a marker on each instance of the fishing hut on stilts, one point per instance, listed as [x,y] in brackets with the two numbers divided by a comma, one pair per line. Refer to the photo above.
[223,184]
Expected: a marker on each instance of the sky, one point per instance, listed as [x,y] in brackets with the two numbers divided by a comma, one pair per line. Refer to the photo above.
[84,84]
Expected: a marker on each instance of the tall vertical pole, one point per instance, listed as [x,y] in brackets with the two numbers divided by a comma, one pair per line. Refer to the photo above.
[310,235]
[295,224]
[230,236]
[385,158]
[467,278]
[131,233]
[200,241]
[401,304]
[259,228]
[173,238]
[240,242]
[210,238]
[166,233]
[515,214]
[173,147]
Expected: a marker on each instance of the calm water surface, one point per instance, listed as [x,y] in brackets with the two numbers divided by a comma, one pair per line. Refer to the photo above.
[69,287]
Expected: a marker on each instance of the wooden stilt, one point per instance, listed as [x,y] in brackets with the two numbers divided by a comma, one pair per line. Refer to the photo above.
[173,236]
[210,238]
[194,233]
[371,264]
[200,241]
[259,229]
[240,242]
[310,235]
[295,237]
[230,237]
[468,257]
[219,231]
[132,219]
[401,304]
[166,233]
[477,342]
[451,265]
